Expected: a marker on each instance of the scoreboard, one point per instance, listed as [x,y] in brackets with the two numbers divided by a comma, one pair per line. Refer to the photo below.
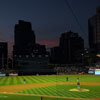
[94,71]
[91,71]
[97,71]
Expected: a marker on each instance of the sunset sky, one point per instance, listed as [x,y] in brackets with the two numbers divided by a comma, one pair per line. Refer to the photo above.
[49,18]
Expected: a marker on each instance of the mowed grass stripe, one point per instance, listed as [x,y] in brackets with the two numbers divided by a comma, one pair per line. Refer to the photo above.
[25,91]
[37,79]
[94,91]
[41,79]
[61,78]
[48,78]
[11,80]
[48,90]
[29,91]
[44,79]
[44,92]
[28,81]
[51,89]
[7,80]
[4,79]
[57,90]
[32,79]
[2,82]
[76,94]
[1,78]
[15,80]
[19,80]
[62,90]
[35,91]
[80,94]
[66,93]
[84,94]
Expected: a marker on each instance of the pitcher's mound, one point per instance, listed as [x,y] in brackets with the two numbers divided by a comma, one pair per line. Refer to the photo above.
[79,90]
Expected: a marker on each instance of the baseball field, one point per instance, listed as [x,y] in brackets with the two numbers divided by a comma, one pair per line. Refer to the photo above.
[50,87]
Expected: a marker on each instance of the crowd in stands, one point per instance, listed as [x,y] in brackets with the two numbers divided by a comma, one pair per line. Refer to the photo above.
[70,69]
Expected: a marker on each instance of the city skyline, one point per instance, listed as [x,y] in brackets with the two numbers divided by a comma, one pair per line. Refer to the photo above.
[49,19]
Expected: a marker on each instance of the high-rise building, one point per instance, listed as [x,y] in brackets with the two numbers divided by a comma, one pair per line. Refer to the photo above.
[24,35]
[28,57]
[98,24]
[94,30]
[55,55]
[3,55]
[70,44]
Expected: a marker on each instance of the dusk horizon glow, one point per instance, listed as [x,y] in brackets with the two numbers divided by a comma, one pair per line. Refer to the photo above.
[48,18]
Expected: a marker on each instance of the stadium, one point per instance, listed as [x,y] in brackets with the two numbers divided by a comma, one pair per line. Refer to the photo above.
[48,67]
[50,87]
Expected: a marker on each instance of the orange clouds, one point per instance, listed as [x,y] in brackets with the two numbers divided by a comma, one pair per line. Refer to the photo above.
[49,43]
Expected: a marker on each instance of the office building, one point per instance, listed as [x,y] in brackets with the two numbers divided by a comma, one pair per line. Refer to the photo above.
[3,55]
[55,55]
[28,56]
[94,31]
[70,44]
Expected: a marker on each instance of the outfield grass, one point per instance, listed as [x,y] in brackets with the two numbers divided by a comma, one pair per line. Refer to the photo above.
[58,90]
[47,79]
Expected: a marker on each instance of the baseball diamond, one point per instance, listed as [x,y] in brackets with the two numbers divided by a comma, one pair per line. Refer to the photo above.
[51,86]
